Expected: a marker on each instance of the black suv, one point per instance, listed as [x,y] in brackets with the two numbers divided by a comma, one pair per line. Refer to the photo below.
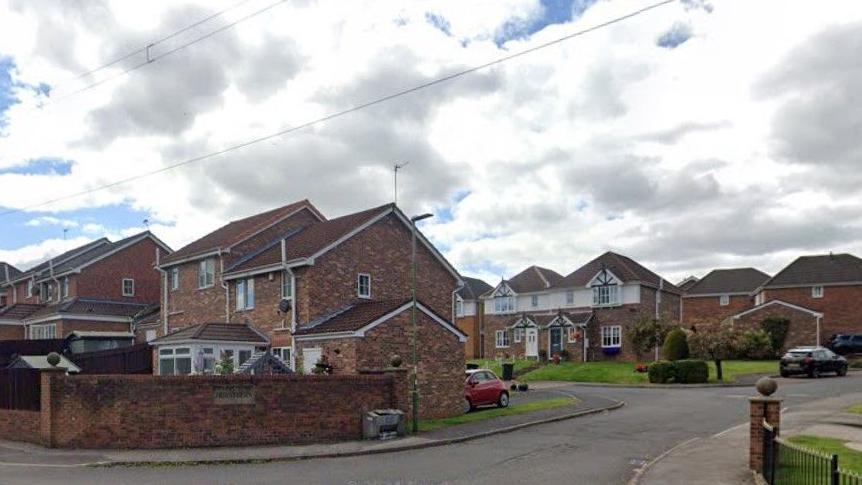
[812,361]
[846,344]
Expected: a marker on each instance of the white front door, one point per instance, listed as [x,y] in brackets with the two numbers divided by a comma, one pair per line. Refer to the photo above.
[532,342]
[310,357]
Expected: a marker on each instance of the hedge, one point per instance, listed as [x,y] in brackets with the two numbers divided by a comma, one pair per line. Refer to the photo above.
[661,372]
[679,372]
[675,345]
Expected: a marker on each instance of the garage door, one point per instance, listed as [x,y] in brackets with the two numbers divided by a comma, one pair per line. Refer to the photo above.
[310,357]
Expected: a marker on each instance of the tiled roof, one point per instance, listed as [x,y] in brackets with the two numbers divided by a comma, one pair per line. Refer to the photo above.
[687,283]
[473,288]
[734,280]
[19,311]
[236,231]
[6,267]
[148,316]
[534,278]
[43,266]
[311,239]
[821,269]
[86,306]
[215,332]
[623,267]
[352,317]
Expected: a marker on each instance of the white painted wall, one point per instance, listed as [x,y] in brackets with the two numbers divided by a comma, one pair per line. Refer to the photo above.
[556,299]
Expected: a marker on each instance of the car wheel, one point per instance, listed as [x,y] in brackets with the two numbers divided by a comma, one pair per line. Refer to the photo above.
[468,406]
[785,374]
[503,400]
[842,371]
[814,373]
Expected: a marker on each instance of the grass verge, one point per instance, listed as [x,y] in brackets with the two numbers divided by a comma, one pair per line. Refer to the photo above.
[483,414]
[624,372]
[497,367]
[855,409]
[850,460]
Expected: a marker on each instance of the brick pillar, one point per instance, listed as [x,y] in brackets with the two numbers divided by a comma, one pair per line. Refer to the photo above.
[400,397]
[46,428]
[761,408]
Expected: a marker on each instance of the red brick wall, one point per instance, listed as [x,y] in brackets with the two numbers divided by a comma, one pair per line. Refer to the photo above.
[188,305]
[802,329]
[104,279]
[841,306]
[706,310]
[65,327]
[383,251]
[265,315]
[180,411]
[18,425]
[11,332]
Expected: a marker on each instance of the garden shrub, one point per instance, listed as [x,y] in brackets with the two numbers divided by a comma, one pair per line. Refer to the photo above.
[661,372]
[543,355]
[690,372]
[564,355]
[776,328]
[675,345]
[756,345]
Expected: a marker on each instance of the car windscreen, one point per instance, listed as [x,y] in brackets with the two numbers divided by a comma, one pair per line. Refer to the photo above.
[797,355]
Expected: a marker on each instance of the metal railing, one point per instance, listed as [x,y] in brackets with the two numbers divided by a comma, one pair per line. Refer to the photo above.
[785,463]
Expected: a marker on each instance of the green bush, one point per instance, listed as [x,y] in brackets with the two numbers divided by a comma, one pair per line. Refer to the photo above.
[756,345]
[661,372]
[675,345]
[776,328]
[690,372]
[543,356]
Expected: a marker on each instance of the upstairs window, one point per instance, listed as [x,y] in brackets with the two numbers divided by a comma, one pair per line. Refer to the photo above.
[286,286]
[724,300]
[47,292]
[459,306]
[816,292]
[363,285]
[206,273]
[606,295]
[65,293]
[128,287]
[245,294]
[534,301]
[175,278]
[570,297]
[29,288]
[504,304]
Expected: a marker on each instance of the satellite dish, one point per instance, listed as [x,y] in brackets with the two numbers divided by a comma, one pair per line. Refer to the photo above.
[284,306]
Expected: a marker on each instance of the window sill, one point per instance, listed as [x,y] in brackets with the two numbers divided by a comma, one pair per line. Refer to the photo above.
[608,305]
[364,297]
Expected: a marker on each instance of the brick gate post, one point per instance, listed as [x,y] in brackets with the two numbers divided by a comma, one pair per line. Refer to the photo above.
[762,407]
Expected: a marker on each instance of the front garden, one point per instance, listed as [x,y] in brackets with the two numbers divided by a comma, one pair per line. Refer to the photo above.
[483,414]
[625,372]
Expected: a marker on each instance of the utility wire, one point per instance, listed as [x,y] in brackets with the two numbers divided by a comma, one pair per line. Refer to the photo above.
[352,109]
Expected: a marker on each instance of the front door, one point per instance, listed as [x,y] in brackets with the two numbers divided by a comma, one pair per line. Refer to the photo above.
[532,349]
[556,336]
[310,358]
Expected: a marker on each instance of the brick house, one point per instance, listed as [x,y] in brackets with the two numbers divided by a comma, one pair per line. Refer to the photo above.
[470,313]
[586,313]
[720,294]
[314,288]
[7,273]
[820,294]
[98,287]
[687,283]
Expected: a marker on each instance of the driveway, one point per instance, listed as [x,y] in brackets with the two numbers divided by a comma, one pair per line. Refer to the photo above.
[603,448]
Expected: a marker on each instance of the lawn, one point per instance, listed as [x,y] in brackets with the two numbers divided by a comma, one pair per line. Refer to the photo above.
[855,409]
[483,414]
[850,460]
[496,366]
[624,372]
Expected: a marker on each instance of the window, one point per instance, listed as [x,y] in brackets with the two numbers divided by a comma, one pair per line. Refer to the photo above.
[459,306]
[128,287]
[42,332]
[570,297]
[175,361]
[245,294]
[519,334]
[612,336]
[206,273]
[47,292]
[758,299]
[244,355]
[208,360]
[286,286]
[283,353]
[29,288]
[65,293]
[816,292]
[572,334]
[175,278]
[363,285]
[503,304]
[534,301]
[502,338]
[724,300]
[605,295]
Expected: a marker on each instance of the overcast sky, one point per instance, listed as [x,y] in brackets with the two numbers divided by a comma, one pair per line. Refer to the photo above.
[700,134]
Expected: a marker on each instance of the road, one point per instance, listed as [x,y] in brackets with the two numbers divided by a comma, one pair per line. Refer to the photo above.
[598,449]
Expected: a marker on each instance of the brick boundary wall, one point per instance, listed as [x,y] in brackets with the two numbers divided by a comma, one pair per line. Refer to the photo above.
[138,411]
[19,425]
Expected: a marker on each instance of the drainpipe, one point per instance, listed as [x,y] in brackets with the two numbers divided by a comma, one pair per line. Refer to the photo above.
[818,331]
[226,287]
[288,273]
[56,282]
[458,288]
[165,282]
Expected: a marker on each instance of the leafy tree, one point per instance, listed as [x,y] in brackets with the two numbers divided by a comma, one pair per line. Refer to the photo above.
[675,345]
[777,328]
[715,343]
[647,334]
[225,364]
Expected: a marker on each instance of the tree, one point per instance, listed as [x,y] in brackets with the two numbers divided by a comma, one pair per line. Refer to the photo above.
[225,364]
[776,328]
[647,334]
[675,345]
[715,343]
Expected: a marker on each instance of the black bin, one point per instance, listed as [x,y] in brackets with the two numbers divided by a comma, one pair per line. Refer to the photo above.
[508,371]
[472,365]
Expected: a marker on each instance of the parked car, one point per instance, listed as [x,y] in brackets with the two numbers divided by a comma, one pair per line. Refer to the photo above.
[846,344]
[812,361]
[482,388]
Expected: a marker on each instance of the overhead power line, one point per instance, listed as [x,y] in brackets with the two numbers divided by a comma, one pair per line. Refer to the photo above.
[346,111]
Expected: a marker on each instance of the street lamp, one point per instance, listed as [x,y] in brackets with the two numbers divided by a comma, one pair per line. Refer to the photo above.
[415,390]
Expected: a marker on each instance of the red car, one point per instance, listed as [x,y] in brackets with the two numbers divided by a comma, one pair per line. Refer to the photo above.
[483,388]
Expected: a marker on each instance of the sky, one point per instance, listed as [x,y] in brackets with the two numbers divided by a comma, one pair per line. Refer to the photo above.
[701,134]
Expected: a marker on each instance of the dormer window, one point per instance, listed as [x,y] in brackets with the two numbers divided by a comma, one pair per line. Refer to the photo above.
[504,304]
[817,292]
[605,289]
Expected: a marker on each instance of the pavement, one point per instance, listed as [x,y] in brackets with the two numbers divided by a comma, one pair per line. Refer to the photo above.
[722,458]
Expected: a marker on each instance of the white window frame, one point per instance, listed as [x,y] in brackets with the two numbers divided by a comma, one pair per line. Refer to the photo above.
[359,286]
[132,282]
[175,278]
[459,306]
[30,286]
[206,273]
[65,288]
[43,332]
[173,354]
[286,286]
[602,298]
[570,332]
[612,336]
[817,291]
[48,293]
[570,297]
[245,294]
[518,335]
[279,353]
[502,339]
[534,301]
[724,300]
[504,304]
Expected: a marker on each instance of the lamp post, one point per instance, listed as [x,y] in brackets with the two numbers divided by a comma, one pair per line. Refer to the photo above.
[415,390]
